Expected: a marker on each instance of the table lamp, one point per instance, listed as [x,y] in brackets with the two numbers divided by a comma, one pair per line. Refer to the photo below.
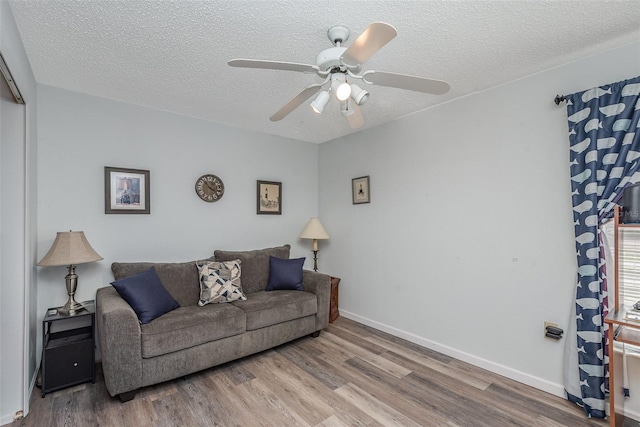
[314,230]
[70,248]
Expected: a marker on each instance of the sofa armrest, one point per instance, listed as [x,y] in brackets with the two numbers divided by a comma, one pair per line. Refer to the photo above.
[319,284]
[120,346]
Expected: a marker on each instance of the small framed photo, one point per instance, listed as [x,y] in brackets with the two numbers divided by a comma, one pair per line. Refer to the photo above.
[360,190]
[269,198]
[126,191]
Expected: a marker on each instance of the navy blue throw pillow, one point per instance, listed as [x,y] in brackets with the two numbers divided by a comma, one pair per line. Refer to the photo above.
[146,295]
[285,274]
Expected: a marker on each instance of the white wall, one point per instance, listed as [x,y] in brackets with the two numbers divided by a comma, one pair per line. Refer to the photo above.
[81,134]
[467,245]
[17,228]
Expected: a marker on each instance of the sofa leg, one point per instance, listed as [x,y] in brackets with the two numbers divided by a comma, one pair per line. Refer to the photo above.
[315,334]
[125,397]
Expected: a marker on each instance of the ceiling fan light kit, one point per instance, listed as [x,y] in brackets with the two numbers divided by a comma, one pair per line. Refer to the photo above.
[358,94]
[340,87]
[336,63]
[320,102]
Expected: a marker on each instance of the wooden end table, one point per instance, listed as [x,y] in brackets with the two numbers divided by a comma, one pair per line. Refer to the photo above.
[334,313]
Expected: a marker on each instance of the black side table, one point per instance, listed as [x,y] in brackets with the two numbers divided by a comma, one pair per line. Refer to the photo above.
[68,348]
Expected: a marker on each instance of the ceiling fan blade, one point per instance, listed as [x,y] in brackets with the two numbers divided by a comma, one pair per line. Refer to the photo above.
[404,81]
[356,120]
[273,65]
[295,102]
[369,42]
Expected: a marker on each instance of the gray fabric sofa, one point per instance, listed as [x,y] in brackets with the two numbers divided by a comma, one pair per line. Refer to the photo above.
[192,338]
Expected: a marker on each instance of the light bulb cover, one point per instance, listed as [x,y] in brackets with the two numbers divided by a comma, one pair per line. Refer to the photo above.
[321,101]
[340,87]
[358,94]
[343,91]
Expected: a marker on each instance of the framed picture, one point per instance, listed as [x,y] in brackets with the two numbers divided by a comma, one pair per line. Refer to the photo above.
[269,198]
[360,190]
[126,191]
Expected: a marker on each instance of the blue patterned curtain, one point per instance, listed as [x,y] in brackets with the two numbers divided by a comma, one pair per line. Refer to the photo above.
[605,158]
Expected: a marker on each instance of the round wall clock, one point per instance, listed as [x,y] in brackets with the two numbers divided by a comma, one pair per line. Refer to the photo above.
[209,188]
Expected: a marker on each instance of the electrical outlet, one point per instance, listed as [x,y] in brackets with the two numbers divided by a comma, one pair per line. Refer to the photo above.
[555,325]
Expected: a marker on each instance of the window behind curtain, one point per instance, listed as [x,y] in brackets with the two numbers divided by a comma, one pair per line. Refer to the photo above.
[629,272]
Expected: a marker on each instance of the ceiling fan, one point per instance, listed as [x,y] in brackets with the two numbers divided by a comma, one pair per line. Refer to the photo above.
[340,67]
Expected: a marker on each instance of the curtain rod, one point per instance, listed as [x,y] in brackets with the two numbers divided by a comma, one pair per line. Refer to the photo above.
[558,99]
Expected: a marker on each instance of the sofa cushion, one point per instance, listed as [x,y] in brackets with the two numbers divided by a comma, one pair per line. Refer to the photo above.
[180,279]
[190,326]
[220,282]
[255,265]
[285,274]
[269,308]
[146,295]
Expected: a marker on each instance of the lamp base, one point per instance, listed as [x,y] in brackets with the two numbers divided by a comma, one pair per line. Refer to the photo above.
[72,307]
[315,260]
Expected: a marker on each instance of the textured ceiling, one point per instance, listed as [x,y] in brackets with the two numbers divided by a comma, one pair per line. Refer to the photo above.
[172,55]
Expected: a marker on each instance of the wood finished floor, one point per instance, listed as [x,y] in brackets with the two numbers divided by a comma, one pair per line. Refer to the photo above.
[351,375]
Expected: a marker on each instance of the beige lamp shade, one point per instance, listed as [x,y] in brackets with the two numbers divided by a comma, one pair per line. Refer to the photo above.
[69,248]
[314,230]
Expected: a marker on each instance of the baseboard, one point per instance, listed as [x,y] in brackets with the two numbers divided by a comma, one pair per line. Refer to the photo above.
[505,371]
[632,414]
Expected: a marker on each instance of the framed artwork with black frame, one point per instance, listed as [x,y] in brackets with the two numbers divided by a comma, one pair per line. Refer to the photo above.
[360,190]
[126,191]
[269,198]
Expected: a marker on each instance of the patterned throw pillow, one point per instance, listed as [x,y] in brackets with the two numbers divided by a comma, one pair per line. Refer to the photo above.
[220,282]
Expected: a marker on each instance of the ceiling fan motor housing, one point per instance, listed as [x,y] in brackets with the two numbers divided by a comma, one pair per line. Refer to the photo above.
[331,58]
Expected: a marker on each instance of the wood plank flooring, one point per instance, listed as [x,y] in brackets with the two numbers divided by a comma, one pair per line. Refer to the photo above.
[351,375]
